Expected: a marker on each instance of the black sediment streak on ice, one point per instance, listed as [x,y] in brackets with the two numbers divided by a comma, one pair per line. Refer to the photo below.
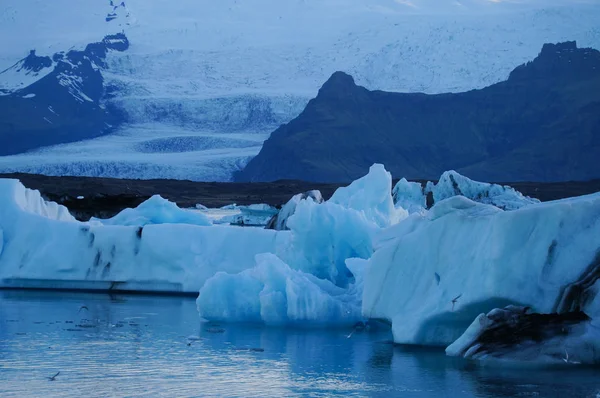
[575,295]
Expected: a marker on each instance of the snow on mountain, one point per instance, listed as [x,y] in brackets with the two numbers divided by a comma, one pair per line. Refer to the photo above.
[25,72]
[243,68]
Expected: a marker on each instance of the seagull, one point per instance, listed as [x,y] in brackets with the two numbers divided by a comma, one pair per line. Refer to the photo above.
[53,377]
[83,307]
[566,359]
[455,299]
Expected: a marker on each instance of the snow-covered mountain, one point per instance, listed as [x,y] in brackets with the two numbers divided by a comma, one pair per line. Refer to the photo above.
[204,83]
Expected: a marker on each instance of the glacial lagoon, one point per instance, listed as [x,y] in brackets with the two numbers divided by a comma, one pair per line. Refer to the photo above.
[134,345]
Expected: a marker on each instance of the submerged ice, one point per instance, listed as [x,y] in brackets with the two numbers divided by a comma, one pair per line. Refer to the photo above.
[474,267]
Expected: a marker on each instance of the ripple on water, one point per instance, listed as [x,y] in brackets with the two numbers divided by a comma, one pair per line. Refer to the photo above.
[156,346]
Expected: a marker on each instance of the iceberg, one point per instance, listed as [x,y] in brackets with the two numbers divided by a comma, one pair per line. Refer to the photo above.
[318,278]
[371,196]
[275,294]
[44,244]
[413,197]
[410,196]
[156,210]
[434,273]
[514,334]
[476,268]
[279,221]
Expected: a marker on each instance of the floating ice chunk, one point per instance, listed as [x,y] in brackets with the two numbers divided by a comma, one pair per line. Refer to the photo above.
[414,198]
[504,197]
[279,221]
[275,294]
[156,210]
[324,236]
[409,196]
[371,195]
[15,198]
[542,255]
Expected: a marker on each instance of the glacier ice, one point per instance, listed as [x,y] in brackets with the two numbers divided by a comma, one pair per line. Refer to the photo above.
[156,210]
[413,197]
[42,241]
[428,272]
[279,221]
[514,334]
[273,293]
[452,183]
[175,82]
[409,195]
[485,258]
[370,195]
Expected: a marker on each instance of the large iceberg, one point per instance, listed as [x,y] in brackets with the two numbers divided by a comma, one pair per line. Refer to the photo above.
[318,278]
[159,247]
[43,245]
[435,272]
[474,267]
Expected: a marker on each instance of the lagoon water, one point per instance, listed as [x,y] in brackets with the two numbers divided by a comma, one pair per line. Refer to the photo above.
[124,346]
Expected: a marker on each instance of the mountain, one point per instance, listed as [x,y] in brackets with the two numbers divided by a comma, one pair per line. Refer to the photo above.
[203,84]
[63,103]
[541,124]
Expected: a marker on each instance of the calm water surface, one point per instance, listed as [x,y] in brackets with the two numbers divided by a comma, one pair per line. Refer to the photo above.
[156,346]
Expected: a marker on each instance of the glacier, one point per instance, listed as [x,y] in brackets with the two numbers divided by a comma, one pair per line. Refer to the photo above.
[504,279]
[225,74]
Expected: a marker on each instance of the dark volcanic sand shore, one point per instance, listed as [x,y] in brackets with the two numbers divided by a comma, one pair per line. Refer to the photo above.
[104,197]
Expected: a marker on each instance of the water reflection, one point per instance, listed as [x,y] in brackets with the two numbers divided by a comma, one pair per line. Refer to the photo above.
[152,346]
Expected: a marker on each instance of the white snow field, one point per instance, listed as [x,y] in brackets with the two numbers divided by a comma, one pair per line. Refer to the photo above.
[352,258]
[211,79]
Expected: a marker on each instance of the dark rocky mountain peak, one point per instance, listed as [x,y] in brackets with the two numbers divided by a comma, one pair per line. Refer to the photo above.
[338,82]
[64,104]
[34,63]
[560,61]
[542,124]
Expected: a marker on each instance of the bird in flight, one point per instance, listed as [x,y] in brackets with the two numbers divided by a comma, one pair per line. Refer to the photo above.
[454,300]
[53,377]
[566,359]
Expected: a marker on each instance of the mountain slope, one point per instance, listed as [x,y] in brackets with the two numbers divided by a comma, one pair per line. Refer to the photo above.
[542,124]
[199,71]
[63,104]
